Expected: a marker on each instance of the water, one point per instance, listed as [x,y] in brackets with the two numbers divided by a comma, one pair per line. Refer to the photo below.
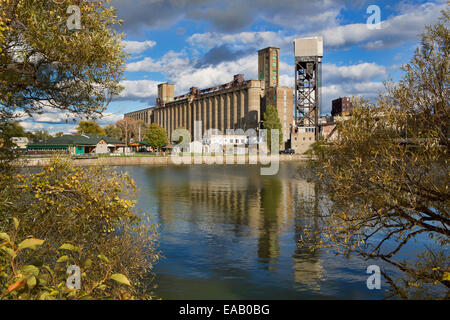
[229,233]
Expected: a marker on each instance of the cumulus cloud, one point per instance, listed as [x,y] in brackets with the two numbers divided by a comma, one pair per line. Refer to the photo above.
[185,73]
[171,60]
[364,79]
[369,90]
[231,15]
[134,47]
[221,54]
[55,120]
[358,72]
[31,126]
[241,40]
[143,90]
[395,30]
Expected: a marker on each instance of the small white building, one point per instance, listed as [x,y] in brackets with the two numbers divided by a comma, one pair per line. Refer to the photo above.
[20,142]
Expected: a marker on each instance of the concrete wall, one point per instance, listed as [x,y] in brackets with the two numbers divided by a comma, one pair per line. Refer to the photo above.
[131,161]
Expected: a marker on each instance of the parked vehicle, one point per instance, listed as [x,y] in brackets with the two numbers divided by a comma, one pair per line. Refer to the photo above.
[287,151]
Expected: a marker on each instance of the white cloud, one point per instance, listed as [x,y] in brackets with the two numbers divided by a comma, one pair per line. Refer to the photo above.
[213,75]
[171,60]
[240,40]
[358,72]
[55,120]
[395,30]
[135,47]
[368,90]
[31,126]
[138,89]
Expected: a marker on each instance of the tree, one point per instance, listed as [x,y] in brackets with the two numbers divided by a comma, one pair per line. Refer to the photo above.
[43,63]
[41,135]
[385,180]
[132,129]
[90,127]
[14,129]
[9,130]
[113,131]
[156,137]
[272,122]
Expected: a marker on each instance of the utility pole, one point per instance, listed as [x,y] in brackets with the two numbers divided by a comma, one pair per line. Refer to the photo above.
[126,132]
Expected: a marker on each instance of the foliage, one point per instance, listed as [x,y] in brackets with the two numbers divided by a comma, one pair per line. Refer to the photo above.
[271,122]
[113,131]
[84,218]
[132,130]
[386,177]
[14,129]
[90,127]
[156,137]
[44,64]
[40,135]
[8,130]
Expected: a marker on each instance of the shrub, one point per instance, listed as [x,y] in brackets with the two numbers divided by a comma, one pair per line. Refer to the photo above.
[76,216]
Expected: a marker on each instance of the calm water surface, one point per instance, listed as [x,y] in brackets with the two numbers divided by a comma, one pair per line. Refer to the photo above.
[229,233]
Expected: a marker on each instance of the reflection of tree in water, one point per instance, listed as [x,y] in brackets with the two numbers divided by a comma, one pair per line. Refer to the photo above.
[308,270]
[268,245]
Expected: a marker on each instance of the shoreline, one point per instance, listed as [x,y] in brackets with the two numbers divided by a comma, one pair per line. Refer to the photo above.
[163,160]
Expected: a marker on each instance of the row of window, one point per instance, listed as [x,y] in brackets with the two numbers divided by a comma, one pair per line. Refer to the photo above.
[303,138]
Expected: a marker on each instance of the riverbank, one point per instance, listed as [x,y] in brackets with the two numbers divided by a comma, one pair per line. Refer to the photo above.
[162,160]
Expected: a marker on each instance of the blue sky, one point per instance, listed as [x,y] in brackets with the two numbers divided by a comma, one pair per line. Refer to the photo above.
[205,42]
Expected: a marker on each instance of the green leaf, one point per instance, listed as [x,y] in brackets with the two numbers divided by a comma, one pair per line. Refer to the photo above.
[120,278]
[63,259]
[16,223]
[4,236]
[102,287]
[67,246]
[30,270]
[30,243]
[46,296]
[10,251]
[31,282]
[446,276]
[87,263]
[103,257]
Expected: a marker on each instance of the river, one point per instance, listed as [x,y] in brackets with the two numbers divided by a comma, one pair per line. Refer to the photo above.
[226,232]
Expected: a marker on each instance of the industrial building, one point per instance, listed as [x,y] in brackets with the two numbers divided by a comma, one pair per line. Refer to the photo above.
[239,104]
[341,107]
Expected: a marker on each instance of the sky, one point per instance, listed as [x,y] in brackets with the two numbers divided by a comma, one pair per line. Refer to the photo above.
[203,43]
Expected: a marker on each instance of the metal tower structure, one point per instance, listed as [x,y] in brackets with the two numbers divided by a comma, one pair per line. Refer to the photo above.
[308,76]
